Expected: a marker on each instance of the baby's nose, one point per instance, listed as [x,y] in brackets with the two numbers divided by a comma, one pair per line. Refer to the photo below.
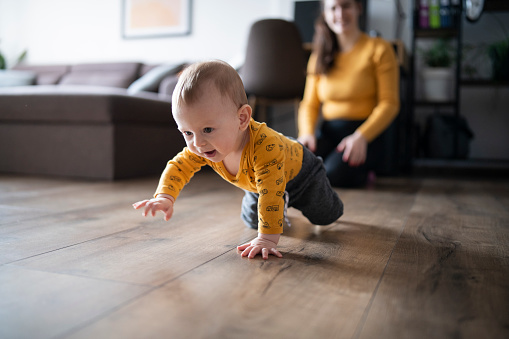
[199,141]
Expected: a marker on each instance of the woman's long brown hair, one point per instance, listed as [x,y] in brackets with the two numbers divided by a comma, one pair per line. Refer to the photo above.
[325,45]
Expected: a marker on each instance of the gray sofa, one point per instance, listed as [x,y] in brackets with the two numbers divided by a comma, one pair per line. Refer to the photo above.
[95,121]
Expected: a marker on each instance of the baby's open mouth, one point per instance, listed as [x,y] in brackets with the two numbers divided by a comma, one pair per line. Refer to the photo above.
[210,153]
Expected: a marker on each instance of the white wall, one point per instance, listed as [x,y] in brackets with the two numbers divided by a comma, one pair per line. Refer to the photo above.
[70,31]
[73,31]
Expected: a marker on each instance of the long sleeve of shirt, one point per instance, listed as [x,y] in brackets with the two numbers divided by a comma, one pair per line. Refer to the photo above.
[269,160]
[178,172]
[362,85]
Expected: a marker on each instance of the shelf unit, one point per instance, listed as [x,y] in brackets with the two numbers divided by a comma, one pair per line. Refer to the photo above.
[453,33]
[455,164]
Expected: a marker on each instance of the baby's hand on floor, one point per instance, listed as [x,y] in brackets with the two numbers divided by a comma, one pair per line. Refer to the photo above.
[162,203]
[264,244]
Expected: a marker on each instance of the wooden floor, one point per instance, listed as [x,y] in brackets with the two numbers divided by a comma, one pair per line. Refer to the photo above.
[410,258]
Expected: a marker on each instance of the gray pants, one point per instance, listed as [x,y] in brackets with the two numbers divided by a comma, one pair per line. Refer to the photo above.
[310,192]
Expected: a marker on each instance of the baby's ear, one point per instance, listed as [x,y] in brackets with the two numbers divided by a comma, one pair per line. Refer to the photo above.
[244,115]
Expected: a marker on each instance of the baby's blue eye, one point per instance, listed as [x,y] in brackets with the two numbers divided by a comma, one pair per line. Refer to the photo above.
[208,130]
[187,133]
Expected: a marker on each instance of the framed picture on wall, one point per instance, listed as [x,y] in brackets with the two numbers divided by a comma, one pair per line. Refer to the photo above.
[155,18]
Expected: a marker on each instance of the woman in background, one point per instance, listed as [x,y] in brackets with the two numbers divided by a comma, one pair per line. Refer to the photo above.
[353,80]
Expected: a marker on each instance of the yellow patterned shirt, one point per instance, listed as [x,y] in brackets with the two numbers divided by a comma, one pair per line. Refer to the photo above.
[269,160]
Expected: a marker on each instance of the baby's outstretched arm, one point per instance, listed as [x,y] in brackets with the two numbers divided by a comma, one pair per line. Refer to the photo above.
[264,244]
[163,203]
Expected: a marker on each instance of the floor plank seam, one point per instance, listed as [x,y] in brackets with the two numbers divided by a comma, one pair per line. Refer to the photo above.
[364,316]
[35,269]
[127,302]
[103,315]
[269,284]
[52,213]
[72,245]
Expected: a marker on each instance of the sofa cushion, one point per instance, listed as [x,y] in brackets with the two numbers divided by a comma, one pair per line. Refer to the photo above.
[46,75]
[150,81]
[168,85]
[144,69]
[102,74]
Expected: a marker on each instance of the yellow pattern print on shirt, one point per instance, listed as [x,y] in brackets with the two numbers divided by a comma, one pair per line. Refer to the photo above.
[195,159]
[271,163]
[264,224]
[262,137]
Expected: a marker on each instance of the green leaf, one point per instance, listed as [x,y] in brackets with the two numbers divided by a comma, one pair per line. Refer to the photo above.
[2,62]
[439,54]
[22,56]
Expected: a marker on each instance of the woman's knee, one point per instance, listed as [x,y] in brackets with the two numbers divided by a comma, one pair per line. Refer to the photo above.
[341,174]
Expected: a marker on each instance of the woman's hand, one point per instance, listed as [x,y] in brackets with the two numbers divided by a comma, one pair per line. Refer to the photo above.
[354,148]
[309,141]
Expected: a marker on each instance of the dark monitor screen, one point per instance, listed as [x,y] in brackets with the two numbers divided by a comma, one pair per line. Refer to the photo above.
[305,14]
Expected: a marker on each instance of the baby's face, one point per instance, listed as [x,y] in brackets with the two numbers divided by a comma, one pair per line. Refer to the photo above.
[210,126]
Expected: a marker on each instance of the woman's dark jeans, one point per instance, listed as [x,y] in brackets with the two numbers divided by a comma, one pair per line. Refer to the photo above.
[340,173]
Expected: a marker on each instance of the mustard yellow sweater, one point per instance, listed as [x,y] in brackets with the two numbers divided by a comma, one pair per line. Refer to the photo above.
[269,160]
[362,85]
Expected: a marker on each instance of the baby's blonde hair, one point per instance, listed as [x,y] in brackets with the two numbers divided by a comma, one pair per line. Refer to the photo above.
[224,77]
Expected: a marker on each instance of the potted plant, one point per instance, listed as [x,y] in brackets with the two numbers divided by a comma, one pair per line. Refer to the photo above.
[12,77]
[3,64]
[499,55]
[437,75]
